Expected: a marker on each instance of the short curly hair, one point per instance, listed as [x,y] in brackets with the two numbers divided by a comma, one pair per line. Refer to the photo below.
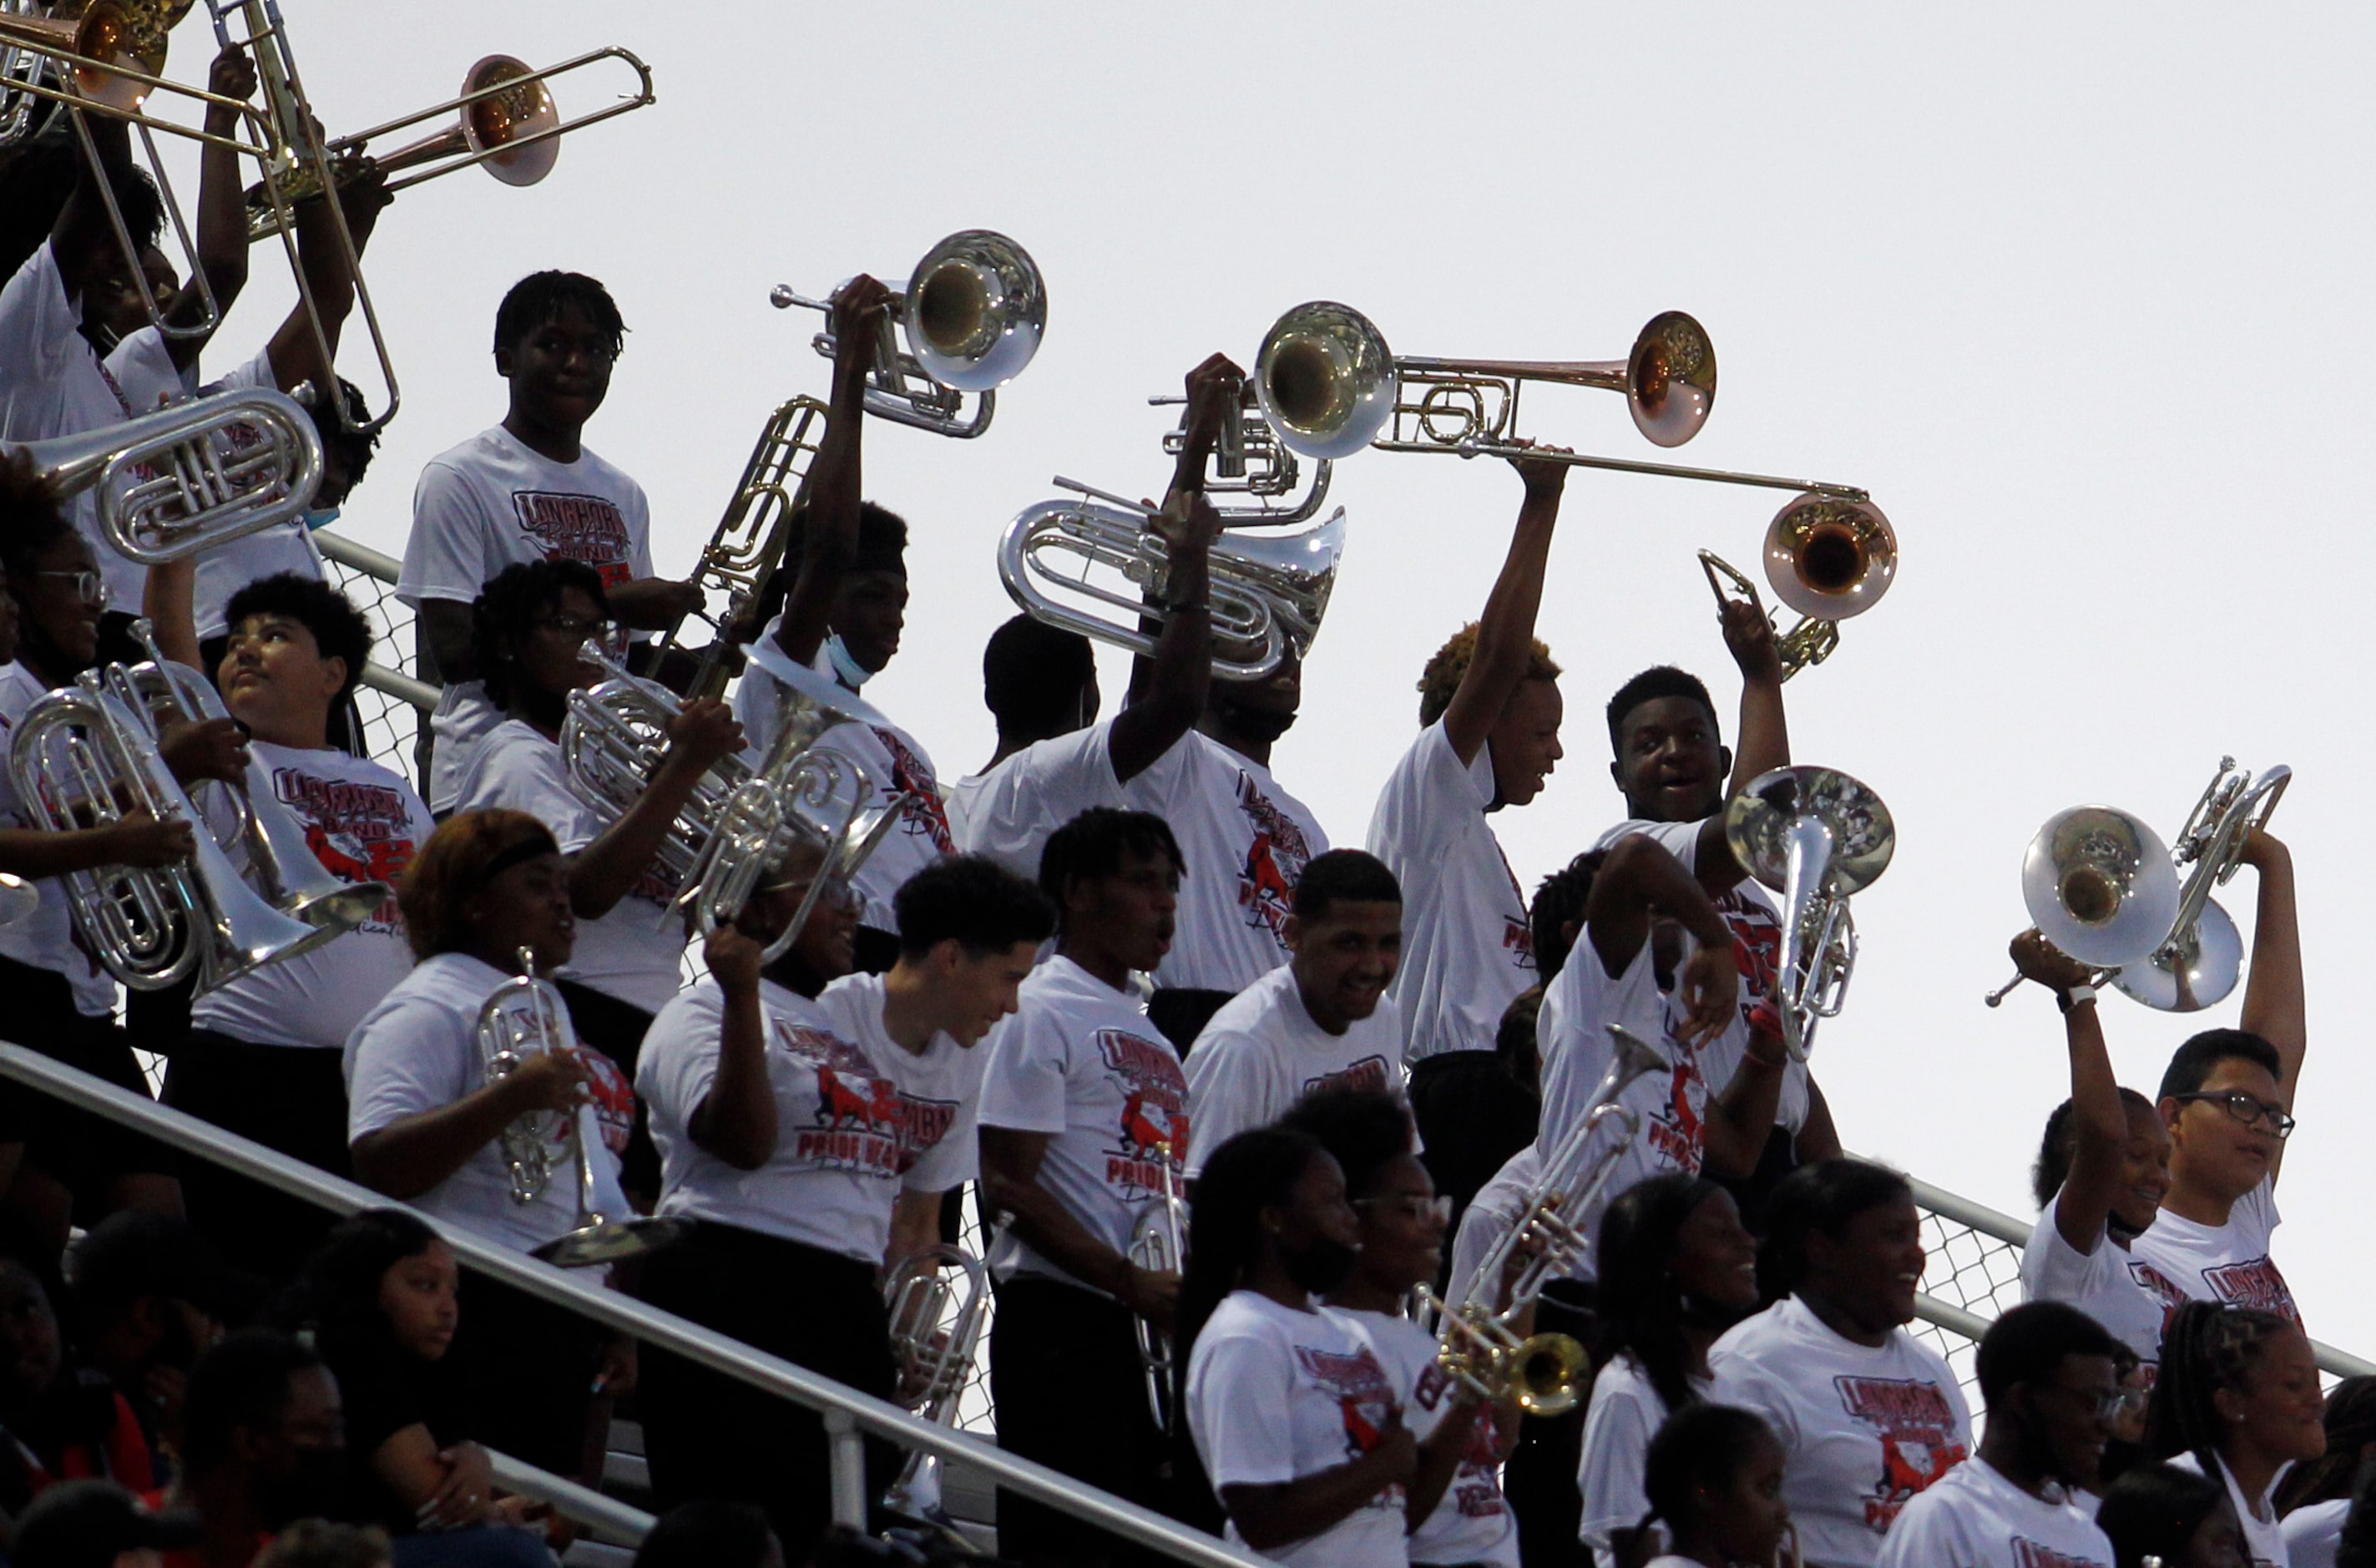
[451,869]
[340,630]
[506,606]
[1443,672]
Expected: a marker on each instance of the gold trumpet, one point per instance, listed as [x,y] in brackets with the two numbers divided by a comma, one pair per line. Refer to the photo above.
[1828,558]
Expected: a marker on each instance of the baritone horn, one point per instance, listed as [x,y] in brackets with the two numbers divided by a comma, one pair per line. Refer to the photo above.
[1816,837]
[1828,558]
[971,317]
[937,1297]
[2203,958]
[2100,885]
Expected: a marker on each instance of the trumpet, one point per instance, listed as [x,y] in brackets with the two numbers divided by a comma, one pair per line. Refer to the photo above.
[1815,836]
[1476,1346]
[1159,1243]
[2203,958]
[971,317]
[936,1324]
[1268,593]
[1330,387]
[1827,558]
[193,476]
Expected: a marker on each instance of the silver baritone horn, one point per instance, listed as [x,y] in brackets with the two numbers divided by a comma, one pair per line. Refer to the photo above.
[2202,959]
[972,315]
[1815,836]
[194,475]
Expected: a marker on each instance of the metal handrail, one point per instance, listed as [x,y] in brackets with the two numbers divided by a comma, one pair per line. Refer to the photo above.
[847,1413]
[619,1523]
[387,569]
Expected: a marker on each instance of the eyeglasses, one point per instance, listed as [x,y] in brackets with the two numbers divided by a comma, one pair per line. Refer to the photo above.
[1411,1207]
[2248,1110]
[577,629]
[90,585]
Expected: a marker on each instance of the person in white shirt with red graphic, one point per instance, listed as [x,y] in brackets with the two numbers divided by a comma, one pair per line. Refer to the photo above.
[1869,1416]
[1713,1477]
[1323,1019]
[2047,1373]
[2101,1171]
[1084,1127]
[1294,1417]
[1453,1504]
[2315,1499]
[533,620]
[263,1054]
[2239,1401]
[523,490]
[2227,1099]
[2177,1517]
[426,1123]
[1488,714]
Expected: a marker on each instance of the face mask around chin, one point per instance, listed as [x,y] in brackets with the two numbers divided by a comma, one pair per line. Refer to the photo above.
[320,517]
[846,667]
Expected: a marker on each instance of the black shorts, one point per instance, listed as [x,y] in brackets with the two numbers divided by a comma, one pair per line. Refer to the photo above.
[83,1152]
[292,1099]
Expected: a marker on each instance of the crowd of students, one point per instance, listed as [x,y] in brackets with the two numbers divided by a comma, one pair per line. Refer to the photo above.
[1120,966]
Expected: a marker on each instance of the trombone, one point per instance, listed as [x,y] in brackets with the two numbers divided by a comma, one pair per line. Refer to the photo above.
[1815,836]
[1827,558]
[971,317]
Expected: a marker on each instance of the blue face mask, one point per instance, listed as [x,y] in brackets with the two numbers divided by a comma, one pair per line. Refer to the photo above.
[845,668]
[320,517]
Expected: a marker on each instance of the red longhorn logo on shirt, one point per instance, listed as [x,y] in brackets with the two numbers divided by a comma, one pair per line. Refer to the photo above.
[922,816]
[1918,1443]
[1365,1400]
[873,1103]
[2254,1284]
[1143,1137]
[1273,862]
[1153,1126]
[576,528]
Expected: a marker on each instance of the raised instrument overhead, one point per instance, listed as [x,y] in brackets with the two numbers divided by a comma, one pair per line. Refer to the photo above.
[1815,836]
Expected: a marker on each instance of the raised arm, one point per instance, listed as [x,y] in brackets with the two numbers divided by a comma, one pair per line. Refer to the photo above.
[608,869]
[2274,1006]
[296,353]
[1640,880]
[1765,738]
[1741,1118]
[836,480]
[166,595]
[222,209]
[1010,1176]
[1505,633]
[2099,1122]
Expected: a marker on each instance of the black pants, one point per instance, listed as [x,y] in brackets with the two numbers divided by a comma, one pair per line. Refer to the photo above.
[85,1153]
[1182,1014]
[1065,1374]
[1472,1116]
[710,1436]
[1539,1479]
[527,1368]
[616,1028]
[292,1099]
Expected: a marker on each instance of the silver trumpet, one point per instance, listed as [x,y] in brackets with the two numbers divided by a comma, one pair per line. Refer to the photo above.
[1159,1243]
[1815,836]
[1826,558]
[1476,1344]
[971,317]
[192,476]
[2100,885]
[938,1298]
[2203,958]
[1267,595]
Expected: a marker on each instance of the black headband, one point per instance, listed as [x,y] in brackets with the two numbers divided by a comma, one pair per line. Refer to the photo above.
[535,845]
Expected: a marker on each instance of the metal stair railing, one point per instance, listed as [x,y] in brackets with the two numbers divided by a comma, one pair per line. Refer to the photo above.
[849,1415]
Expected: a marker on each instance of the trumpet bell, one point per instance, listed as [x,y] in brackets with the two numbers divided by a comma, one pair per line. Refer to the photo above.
[1327,379]
[609,1241]
[2100,885]
[1548,1375]
[974,310]
[1670,379]
[1830,557]
[2195,970]
[1761,823]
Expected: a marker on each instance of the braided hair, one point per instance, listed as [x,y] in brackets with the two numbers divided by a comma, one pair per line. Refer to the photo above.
[1701,1447]
[2155,1510]
[2351,1426]
[2207,1347]
[1642,1307]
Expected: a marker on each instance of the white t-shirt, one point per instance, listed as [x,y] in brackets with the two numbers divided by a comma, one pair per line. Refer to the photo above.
[491,503]
[2264,1535]
[417,1050]
[2226,1262]
[895,764]
[1471,1522]
[1490,1213]
[635,951]
[849,1137]
[1864,1429]
[1466,949]
[1011,811]
[45,939]
[1262,1052]
[363,824]
[1276,1395]
[1625,1415]
[225,569]
[2314,1531]
[1079,1061]
[1975,1518]
[1245,842]
[2112,1285]
[940,1088]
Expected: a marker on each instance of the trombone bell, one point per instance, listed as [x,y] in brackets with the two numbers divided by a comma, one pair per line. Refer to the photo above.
[490,125]
[1670,379]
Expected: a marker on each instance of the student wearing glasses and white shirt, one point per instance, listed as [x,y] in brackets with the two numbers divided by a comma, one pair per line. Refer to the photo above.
[2227,1100]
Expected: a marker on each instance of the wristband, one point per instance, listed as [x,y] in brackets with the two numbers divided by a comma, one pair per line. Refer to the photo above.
[2078,995]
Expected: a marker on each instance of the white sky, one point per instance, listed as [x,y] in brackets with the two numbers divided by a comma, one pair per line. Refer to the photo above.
[2069,289]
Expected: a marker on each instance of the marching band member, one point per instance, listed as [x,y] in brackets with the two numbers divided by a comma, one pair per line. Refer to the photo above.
[1084,1116]
[2161,1513]
[1321,1020]
[1039,682]
[427,1125]
[2101,1175]
[1455,1511]
[2227,1100]
[1713,1479]
[1489,717]
[264,1057]
[531,622]
[1293,1414]
[2046,1372]
[528,490]
[2237,1400]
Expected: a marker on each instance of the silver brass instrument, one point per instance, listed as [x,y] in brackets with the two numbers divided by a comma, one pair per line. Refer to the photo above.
[2100,885]
[1250,460]
[194,475]
[1329,386]
[1267,595]
[2203,958]
[937,1299]
[1815,836]
[613,739]
[971,317]
[1827,558]
[1476,1344]
[1158,1244]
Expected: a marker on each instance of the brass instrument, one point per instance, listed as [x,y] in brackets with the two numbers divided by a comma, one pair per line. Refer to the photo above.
[1827,558]
[190,476]
[2203,958]
[1267,594]
[1476,1344]
[1815,836]
[971,317]
[2101,886]
[1330,386]
[1250,460]
[936,1324]
[613,739]
[1158,1244]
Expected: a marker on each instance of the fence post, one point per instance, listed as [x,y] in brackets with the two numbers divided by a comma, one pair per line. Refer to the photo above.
[849,1463]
